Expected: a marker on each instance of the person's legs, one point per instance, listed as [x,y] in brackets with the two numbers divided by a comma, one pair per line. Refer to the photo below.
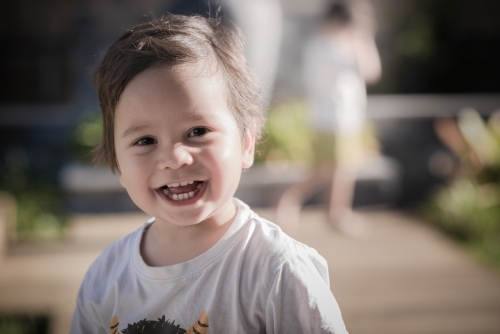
[292,200]
[349,151]
[340,210]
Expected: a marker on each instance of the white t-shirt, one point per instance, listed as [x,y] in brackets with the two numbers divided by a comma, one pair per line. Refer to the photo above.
[256,279]
[335,88]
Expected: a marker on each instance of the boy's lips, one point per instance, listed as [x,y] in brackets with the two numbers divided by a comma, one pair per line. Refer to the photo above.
[181,191]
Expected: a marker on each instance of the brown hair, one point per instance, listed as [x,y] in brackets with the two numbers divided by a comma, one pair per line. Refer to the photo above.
[173,40]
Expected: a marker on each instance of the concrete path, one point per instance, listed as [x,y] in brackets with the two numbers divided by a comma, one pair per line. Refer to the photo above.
[401,276]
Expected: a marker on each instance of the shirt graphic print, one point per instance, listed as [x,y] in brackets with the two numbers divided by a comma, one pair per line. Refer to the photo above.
[160,326]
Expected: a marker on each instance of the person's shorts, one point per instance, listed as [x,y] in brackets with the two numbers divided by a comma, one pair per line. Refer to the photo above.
[338,148]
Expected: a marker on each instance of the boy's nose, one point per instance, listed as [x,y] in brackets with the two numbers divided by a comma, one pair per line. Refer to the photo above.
[175,157]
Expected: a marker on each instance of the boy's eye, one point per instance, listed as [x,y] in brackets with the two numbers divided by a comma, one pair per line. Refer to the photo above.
[197,132]
[145,141]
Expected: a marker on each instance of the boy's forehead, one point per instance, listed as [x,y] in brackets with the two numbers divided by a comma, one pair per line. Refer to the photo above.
[190,84]
[206,67]
[179,74]
[193,70]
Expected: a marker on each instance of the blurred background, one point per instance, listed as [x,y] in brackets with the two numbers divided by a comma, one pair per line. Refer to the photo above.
[431,177]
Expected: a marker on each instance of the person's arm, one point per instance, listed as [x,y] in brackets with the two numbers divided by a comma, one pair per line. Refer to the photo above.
[363,40]
[367,56]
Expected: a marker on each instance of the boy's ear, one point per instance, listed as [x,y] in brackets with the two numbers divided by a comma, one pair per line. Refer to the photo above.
[120,178]
[248,149]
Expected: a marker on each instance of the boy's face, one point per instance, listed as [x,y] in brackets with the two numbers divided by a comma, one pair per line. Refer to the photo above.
[178,147]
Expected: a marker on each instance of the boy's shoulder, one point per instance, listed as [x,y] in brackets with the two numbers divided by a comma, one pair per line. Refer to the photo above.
[270,236]
[116,258]
[271,246]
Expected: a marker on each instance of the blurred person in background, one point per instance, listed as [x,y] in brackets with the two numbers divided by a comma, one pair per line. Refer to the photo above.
[339,59]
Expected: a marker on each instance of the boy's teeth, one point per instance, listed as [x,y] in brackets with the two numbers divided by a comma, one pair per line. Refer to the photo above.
[185,183]
[182,197]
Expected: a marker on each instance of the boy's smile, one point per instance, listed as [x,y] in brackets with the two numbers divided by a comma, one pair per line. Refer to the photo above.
[182,191]
[178,146]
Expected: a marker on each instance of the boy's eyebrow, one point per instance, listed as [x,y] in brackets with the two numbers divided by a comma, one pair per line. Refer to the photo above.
[137,128]
[195,117]
[133,129]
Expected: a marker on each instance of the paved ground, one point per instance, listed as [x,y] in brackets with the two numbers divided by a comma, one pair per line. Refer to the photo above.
[401,276]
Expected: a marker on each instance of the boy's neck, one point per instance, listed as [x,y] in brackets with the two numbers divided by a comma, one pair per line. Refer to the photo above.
[163,244]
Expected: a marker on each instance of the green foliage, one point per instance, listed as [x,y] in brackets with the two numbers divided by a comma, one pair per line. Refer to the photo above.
[287,135]
[467,210]
[469,207]
[88,133]
[417,39]
[10,324]
[488,250]
[470,212]
[39,214]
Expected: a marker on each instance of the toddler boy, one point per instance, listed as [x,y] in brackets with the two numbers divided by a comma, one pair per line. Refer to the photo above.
[181,116]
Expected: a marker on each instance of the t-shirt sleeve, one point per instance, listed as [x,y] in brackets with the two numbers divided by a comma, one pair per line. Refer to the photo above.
[300,300]
[85,318]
